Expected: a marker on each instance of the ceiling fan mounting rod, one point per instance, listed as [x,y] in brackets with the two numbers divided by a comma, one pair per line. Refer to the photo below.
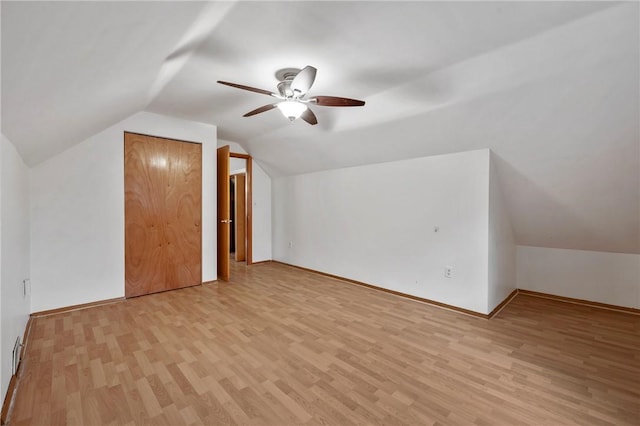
[290,76]
[286,73]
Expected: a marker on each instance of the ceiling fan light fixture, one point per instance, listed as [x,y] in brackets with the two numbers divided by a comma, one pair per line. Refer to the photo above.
[293,86]
[292,109]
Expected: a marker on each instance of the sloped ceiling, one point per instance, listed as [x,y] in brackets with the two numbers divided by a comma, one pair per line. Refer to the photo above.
[551,87]
[72,69]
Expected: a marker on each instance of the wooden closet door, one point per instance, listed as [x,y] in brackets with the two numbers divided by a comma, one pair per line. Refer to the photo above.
[183,214]
[163,208]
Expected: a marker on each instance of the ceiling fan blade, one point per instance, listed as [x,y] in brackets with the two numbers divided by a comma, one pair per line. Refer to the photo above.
[259,110]
[309,117]
[334,101]
[249,88]
[303,81]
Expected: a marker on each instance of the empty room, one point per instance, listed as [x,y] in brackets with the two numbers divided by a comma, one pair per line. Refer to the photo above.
[320,212]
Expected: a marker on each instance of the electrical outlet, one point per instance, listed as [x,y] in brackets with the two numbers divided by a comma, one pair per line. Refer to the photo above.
[448,272]
[290,244]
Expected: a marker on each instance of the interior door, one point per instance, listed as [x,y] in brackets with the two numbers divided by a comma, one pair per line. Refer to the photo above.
[248,205]
[224,219]
[240,217]
[163,213]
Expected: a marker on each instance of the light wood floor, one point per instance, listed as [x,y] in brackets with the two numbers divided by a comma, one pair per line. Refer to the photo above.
[279,346]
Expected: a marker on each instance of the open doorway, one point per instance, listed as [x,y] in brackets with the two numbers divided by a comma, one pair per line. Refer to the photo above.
[232,214]
[232,224]
[238,205]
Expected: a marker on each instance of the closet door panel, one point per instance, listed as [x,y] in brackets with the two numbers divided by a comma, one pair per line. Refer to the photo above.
[183,196]
[144,211]
[163,212]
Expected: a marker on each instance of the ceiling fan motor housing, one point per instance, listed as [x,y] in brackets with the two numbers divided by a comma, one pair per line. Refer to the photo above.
[286,76]
[284,88]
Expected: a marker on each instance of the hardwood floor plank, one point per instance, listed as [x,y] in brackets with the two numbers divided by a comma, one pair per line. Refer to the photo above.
[280,346]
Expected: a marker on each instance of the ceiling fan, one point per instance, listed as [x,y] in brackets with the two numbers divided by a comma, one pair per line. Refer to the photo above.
[292,87]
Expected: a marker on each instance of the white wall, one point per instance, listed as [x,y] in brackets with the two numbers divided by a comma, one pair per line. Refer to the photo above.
[261,214]
[14,254]
[375,224]
[77,213]
[502,248]
[237,165]
[612,278]
[261,191]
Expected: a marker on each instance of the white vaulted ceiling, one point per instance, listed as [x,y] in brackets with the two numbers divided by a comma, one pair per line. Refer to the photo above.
[551,87]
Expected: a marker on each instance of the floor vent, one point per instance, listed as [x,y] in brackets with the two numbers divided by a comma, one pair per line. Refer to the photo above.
[16,356]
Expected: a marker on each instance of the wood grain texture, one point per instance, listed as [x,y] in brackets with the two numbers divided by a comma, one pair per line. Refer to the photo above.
[144,208]
[224,212]
[502,304]
[281,346]
[249,207]
[75,307]
[163,208]
[183,214]
[240,217]
[249,186]
[8,397]
[634,311]
[386,290]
